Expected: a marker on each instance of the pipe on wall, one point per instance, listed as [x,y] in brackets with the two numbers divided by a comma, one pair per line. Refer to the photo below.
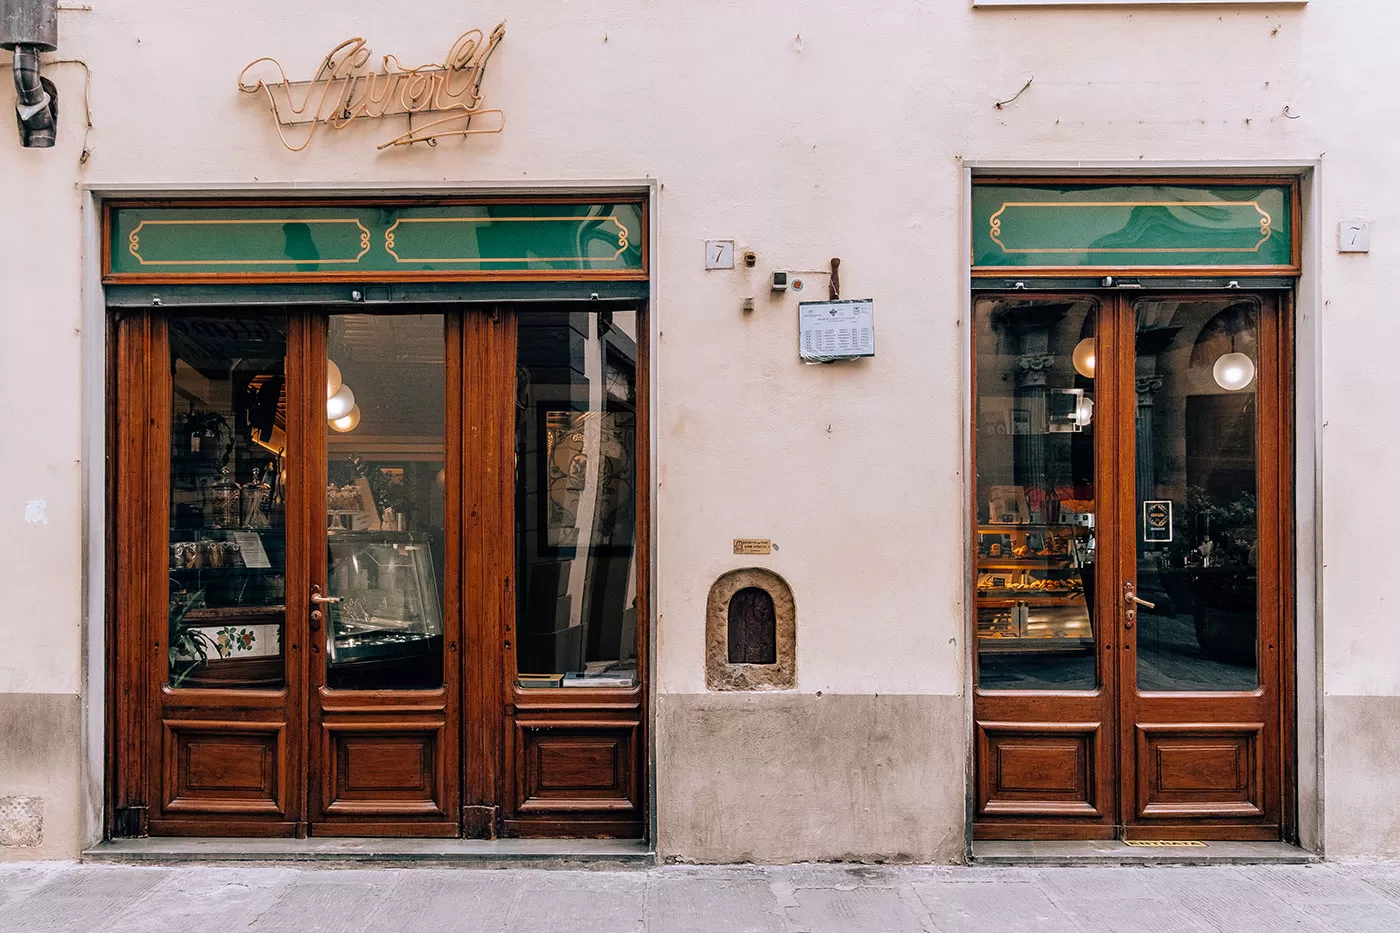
[28,27]
[36,106]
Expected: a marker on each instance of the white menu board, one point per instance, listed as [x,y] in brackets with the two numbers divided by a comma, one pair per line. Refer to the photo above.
[836,330]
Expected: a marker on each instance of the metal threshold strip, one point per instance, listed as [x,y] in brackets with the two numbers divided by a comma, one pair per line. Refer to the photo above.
[1041,853]
[494,852]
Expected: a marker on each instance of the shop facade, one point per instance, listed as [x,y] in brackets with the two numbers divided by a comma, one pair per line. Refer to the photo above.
[432,453]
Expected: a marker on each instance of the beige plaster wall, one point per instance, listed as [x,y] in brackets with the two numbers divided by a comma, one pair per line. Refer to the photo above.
[803,132]
[768,777]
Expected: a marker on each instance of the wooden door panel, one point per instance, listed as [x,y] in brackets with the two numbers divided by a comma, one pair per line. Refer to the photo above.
[1045,770]
[576,759]
[1201,744]
[392,768]
[1046,752]
[1200,770]
[225,767]
[577,767]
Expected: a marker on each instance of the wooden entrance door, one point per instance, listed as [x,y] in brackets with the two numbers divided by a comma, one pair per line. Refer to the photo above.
[384,609]
[349,549]
[288,569]
[1133,574]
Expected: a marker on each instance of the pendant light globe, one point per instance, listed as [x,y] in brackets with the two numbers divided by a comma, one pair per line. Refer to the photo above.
[350,422]
[333,381]
[1233,371]
[339,404]
[1083,357]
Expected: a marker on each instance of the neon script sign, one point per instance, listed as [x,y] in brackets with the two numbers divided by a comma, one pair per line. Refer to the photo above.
[347,88]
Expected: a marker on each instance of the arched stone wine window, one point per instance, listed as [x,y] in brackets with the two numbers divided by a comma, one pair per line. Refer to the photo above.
[750,632]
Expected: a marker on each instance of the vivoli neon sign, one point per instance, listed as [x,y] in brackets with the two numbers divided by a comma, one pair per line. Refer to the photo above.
[438,98]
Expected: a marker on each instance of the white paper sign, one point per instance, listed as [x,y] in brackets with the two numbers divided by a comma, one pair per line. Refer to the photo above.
[251,547]
[836,330]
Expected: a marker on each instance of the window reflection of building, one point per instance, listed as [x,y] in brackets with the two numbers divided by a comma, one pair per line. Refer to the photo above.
[576,494]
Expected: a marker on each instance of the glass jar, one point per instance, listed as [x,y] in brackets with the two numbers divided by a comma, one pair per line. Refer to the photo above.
[222,502]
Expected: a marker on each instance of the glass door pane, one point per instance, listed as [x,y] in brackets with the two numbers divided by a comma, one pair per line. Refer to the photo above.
[576,499]
[228,541]
[1197,505]
[386,396]
[1036,502]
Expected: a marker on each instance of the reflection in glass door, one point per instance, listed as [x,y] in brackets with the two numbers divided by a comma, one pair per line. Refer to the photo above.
[1204,593]
[1036,495]
[1045,646]
[1198,521]
[385,524]
[228,520]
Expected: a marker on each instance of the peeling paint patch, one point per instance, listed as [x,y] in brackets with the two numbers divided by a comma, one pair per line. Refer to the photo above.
[36,511]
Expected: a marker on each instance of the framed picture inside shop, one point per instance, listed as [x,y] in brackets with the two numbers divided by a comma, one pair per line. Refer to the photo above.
[587,473]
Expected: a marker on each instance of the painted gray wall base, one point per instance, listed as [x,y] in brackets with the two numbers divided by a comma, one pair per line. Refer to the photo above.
[783,777]
[1362,768]
[40,739]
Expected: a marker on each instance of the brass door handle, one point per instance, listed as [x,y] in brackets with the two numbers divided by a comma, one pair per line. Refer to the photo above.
[1131,597]
[322,600]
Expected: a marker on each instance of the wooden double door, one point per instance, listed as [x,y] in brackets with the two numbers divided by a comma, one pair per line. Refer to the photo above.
[1133,545]
[347,551]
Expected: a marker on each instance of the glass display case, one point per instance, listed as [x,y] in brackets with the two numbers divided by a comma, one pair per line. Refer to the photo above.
[1035,588]
[388,618]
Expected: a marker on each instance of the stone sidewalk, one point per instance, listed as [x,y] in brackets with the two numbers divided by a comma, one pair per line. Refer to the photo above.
[71,898]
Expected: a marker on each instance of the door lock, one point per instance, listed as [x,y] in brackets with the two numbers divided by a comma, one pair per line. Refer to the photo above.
[317,601]
[1130,597]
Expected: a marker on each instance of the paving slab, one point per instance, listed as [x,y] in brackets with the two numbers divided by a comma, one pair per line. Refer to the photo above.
[840,910]
[707,904]
[1128,915]
[1244,905]
[313,906]
[579,908]
[958,907]
[1163,883]
[201,901]
[1335,897]
[1379,917]
[1306,884]
[446,902]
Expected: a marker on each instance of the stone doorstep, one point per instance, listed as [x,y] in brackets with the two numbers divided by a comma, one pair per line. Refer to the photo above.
[1107,853]
[501,853]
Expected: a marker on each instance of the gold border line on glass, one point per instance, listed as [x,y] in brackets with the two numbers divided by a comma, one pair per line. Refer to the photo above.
[1265,227]
[623,236]
[134,243]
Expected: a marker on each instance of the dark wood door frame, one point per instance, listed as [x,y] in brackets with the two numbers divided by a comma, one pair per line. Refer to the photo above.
[1116,727]
[496,732]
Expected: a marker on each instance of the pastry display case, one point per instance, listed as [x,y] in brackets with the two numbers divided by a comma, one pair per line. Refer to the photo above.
[1035,586]
[388,611]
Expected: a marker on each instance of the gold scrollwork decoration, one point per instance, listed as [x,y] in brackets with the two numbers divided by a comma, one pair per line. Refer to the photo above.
[390,244]
[995,224]
[134,241]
